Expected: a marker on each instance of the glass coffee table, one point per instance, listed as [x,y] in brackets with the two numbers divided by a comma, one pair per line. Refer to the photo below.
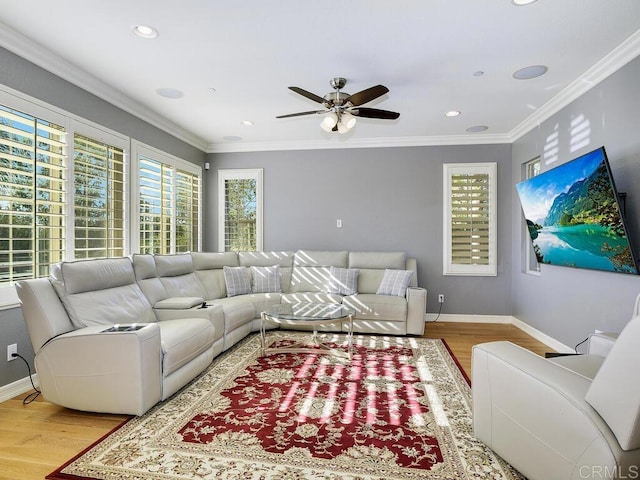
[313,314]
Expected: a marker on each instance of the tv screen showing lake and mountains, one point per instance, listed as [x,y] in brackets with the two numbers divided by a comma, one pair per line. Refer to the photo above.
[574,218]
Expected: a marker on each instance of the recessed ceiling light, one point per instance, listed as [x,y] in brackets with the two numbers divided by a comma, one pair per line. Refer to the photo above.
[477,128]
[452,113]
[169,93]
[246,123]
[530,72]
[145,31]
[232,138]
[478,73]
[521,3]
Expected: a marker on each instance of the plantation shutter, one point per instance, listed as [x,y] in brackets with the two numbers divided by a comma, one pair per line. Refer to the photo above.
[187,211]
[470,219]
[32,195]
[99,204]
[156,202]
[169,207]
[470,225]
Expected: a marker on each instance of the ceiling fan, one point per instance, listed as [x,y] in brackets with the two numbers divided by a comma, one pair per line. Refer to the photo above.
[342,108]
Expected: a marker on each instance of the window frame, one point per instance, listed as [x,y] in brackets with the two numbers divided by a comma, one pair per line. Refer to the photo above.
[531,266]
[240,174]
[449,267]
[140,149]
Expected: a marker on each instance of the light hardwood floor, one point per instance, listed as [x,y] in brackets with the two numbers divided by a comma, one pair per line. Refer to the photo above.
[37,438]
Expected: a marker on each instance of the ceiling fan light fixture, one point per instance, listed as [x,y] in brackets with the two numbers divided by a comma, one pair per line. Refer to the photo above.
[329,121]
[348,120]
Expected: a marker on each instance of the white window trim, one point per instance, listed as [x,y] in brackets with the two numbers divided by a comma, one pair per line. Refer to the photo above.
[529,269]
[449,268]
[138,148]
[238,174]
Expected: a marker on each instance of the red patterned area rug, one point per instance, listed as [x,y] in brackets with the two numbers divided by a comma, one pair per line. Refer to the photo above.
[399,409]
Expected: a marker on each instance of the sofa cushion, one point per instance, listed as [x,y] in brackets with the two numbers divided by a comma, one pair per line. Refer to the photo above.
[144,268]
[311,271]
[182,340]
[311,297]
[378,260]
[214,260]
[395,282]
[101,292]
[174,265]
[238,311]
[265,279]
[377,307]
[176,272]
[265,259]
[615,391]
[237,280]
[344,281]
[372,266]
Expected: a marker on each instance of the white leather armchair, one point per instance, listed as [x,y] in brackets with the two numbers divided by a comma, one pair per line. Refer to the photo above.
[573,417]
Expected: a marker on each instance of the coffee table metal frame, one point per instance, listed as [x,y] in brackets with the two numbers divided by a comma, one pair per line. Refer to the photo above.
[314,314]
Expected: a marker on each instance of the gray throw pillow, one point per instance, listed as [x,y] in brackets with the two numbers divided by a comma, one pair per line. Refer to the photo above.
[395,282]
[344,281]
[237,280]
[266,279]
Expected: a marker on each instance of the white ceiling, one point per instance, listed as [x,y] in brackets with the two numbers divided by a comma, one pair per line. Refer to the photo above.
[234,60]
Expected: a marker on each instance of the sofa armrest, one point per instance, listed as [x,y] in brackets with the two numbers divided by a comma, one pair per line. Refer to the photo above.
[178,303]
[92,370]
[532,413]
[416,309]
[601,343]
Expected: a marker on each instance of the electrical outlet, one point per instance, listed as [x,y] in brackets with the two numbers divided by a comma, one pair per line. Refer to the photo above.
[11,349]
[441,298]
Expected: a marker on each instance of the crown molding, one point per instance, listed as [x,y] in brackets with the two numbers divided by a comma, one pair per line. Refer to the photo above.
[39,55]
[471,139]
[612,62]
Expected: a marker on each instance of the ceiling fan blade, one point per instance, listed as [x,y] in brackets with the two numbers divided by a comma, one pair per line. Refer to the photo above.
[299,114]
[375,113]
[367,95]
[309,95]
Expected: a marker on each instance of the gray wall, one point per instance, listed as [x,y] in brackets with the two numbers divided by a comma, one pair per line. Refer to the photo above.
[389,199]
[24,76]
[568,303]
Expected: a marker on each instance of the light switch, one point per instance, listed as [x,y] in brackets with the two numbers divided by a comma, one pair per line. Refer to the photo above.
[339,223]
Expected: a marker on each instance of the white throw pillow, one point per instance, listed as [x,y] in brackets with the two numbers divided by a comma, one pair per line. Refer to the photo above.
[344,281]
[265,279]
[395,282]
[237,280]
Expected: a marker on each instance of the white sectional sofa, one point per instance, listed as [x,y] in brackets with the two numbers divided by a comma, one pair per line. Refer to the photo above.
[185,311]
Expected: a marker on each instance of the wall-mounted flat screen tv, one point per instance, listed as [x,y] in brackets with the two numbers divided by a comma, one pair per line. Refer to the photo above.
[574,217]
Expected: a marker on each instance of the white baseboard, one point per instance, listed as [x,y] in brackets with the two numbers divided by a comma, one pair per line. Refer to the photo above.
[16,388]
[445,317]
[503,319]
[542,337]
